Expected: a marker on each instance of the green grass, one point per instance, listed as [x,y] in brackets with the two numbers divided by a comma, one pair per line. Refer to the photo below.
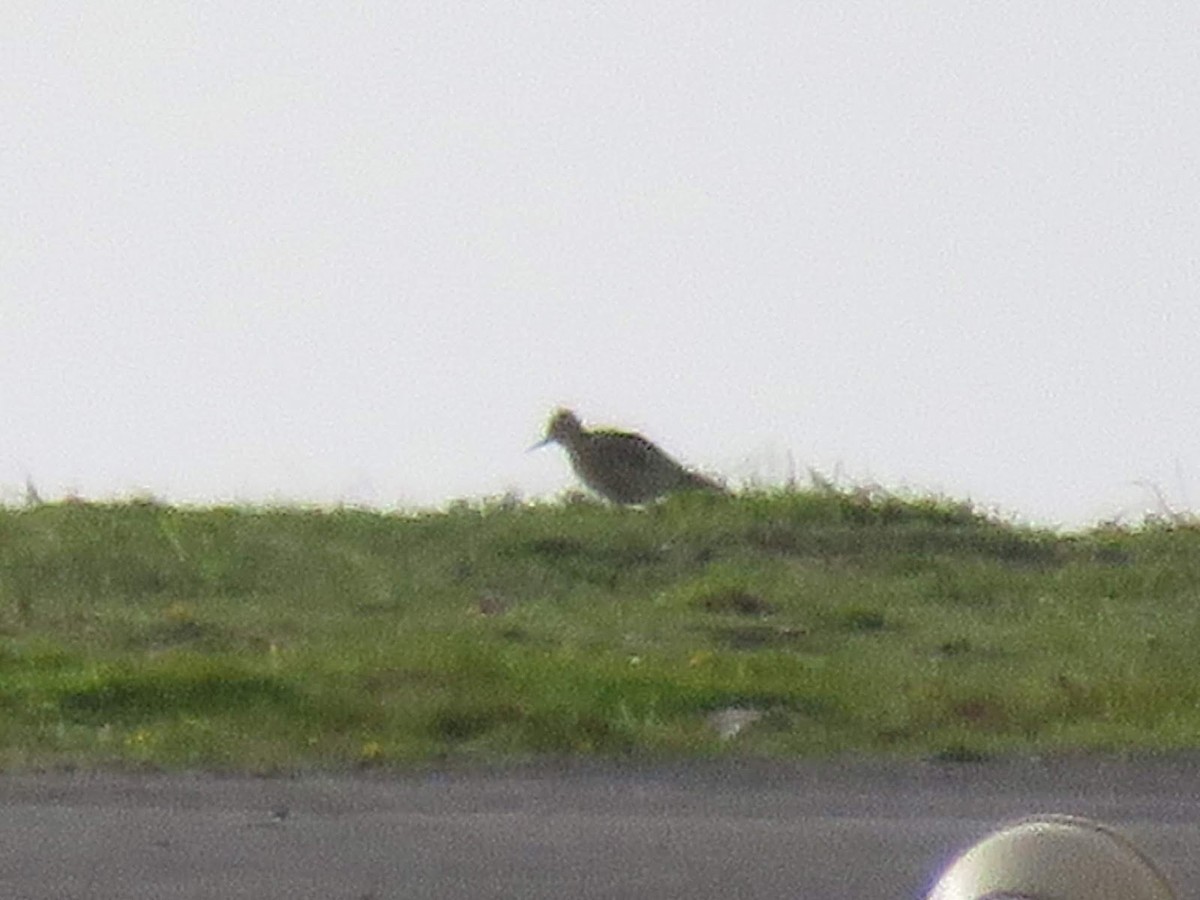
[278,639]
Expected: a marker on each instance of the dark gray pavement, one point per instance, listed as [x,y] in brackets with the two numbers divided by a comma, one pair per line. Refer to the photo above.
[697,831]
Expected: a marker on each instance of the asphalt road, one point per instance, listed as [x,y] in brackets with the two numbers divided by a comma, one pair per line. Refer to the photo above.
[704,831]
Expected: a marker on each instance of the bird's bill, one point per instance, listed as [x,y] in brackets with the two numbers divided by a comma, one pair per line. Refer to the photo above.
[542,443]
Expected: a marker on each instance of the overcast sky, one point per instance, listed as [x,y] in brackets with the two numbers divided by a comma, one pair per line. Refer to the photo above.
[332,252]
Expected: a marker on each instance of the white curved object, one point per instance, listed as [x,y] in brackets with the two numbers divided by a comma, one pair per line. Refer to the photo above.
[1053,858]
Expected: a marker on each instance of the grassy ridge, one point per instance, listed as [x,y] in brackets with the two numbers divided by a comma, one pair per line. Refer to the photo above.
[141,634]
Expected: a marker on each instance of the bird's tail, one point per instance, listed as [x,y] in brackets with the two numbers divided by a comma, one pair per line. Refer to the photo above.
[694,481]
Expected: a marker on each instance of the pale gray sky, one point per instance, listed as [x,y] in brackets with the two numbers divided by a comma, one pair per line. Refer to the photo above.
[330,251]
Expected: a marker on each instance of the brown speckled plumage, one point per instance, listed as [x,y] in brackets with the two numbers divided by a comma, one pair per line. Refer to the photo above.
[621,466]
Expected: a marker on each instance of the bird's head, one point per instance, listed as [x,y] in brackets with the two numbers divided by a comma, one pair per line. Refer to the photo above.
[563,428]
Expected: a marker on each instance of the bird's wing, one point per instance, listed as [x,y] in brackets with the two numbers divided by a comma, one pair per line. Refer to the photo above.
[630,452]
[642,455]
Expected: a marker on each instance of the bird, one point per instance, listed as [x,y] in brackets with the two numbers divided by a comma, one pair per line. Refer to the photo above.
[620,466]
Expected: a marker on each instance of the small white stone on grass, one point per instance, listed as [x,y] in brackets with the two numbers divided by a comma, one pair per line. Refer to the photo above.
[729,722]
